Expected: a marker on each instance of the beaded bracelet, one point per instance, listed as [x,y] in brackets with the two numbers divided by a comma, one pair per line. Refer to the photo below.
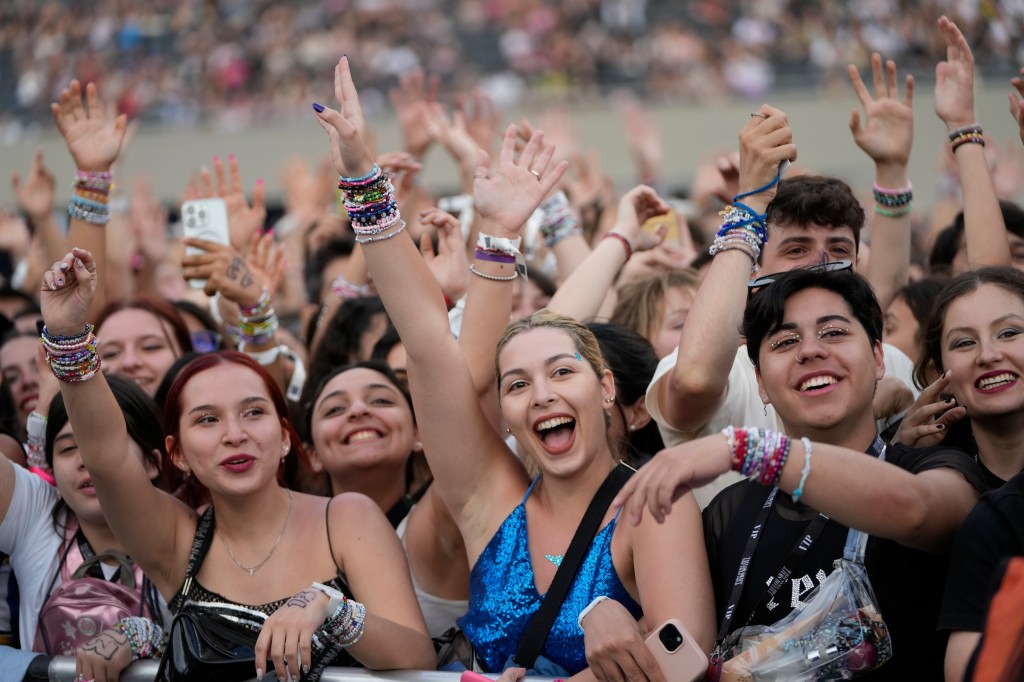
[347,624]
[965,130]
[342,288]
[893,213]
[759,454]
[967,138]
[625,243]
[383,238]
[72,359]
[90,199]
[145,637]
[894,198]
[493,278]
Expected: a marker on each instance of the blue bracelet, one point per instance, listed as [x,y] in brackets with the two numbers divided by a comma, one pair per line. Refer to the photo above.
[805,472]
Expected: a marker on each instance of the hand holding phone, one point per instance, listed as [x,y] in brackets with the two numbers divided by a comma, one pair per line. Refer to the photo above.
[204,219]
[678,655]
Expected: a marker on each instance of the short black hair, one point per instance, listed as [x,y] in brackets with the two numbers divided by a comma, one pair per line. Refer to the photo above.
[313,272]
[766,308]
[817,199]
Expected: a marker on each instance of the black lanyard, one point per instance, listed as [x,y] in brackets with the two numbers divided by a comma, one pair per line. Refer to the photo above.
[799,550]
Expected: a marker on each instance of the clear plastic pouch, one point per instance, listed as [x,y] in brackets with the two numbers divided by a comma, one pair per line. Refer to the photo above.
[838,634]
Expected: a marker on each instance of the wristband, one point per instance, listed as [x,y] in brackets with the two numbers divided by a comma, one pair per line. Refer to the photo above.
[805,472]
[589,607]
[334,597]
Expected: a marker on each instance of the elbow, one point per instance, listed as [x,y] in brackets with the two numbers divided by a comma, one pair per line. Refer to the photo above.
[917,527]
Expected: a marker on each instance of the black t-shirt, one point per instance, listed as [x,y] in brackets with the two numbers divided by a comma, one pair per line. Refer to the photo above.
[907,582]
[993,531]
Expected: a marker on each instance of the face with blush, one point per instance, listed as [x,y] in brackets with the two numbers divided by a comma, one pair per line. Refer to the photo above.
[139,345]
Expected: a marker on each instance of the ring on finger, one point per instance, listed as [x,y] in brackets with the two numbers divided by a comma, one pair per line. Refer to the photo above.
[535,173]
[758,114]
[480,176]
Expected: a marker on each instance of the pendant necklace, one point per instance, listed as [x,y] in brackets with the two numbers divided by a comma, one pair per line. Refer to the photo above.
[556,559]
[252,569]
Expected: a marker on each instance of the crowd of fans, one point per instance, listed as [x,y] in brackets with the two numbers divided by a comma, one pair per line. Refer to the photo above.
[237,63]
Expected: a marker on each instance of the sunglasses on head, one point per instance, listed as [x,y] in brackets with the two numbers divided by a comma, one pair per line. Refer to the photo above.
[831,266]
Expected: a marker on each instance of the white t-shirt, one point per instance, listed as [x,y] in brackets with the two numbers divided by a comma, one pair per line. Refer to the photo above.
[27,535]
[439,613]
[743,407]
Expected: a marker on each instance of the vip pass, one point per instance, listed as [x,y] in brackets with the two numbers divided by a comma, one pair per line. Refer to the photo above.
[90,199]
[559,220]
[370,203]
[257,323]
[756,453]
[145,637]
[971,134]
[72,359]
[893,203]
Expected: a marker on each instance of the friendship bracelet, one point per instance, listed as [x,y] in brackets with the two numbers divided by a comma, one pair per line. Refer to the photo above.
[894,198]
[805,472]
[261,308]
[893,213]
[145,637]
[342,288]
[383,238]
[973,128]
[759,454]
[967,139]
[493,278]
[625,243]
[494,256]
[345,183]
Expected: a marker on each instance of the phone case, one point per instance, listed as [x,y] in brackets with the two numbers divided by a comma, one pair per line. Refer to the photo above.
[686,663]
[204,219]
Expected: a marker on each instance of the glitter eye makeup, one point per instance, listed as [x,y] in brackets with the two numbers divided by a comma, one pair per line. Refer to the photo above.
[832,327]
[784,340]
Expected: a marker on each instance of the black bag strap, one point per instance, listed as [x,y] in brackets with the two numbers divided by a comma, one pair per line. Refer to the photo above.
[200,546]
[536,635]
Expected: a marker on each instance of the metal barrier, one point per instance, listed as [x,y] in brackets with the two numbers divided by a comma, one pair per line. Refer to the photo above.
[62,669]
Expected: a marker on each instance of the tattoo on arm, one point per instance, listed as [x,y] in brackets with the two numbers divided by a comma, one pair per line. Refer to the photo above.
[302,599]
[106,644]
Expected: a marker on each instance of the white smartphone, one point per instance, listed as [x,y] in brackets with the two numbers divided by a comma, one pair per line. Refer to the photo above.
[678,655]
[204,219]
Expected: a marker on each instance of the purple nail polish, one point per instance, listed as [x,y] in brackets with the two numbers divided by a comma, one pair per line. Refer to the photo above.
[318,108]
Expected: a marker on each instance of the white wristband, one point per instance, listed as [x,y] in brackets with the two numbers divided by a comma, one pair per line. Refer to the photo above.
[588,609]
[334,597]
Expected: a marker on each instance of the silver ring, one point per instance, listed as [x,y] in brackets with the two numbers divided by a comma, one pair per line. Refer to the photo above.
[758,114]
[535,174]
[480,176]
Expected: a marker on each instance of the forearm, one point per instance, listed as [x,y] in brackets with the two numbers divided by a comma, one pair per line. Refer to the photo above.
[583,292]
[984,230]
[51,241]
[570,253]
[890,237]
[92,238]
[488,308]
[387,645]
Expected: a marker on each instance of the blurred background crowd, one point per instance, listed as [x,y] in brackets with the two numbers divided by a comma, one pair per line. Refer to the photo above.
[235,63]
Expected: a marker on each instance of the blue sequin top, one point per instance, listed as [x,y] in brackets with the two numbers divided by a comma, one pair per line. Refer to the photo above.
[503,596]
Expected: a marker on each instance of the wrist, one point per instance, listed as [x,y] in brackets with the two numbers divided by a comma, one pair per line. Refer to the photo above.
[588,608]
[957,123]
[891,174]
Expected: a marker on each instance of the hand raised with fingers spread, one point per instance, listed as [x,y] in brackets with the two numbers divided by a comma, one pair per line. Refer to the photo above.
[93,140]
[507,195]
[482,118]
[954,79]
[449,265]
[888,127]
[412,99]
[67,292]
[224,270]
[265,259]
[350,150]
[1016,108]
[244,219]
[926,422]
[35,194]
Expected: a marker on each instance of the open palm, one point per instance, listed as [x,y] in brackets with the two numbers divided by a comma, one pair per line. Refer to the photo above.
[93,140]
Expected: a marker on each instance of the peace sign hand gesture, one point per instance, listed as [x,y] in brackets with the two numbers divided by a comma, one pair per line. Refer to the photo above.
[93,140]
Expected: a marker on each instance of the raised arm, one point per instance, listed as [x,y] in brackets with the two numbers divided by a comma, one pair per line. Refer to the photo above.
[694,390]
[886,136]
[94,143]
[984,229]
[155,528]
[1016,108]
[920,510]
[441,385]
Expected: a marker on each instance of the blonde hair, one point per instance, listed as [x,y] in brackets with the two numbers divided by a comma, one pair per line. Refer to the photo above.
[582,338]
[640,301]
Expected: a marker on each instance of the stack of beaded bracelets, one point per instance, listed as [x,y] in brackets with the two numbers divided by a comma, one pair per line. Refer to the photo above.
[257,323]
[347,624]
[344,289]
[559,220]
[497,250]
[758,453]
[72,359]
[742,230]
[145,637]
[893,203]
[370,203]
[90,201]
[967,135]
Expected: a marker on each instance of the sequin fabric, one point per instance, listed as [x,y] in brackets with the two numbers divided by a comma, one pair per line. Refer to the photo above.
[503,596]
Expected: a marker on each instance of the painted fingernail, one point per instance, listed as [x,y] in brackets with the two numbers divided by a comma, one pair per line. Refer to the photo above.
[945,374]
[53,287]
[259,673]
[259,181]
[78,263]
[216,158]
[64,267]
[318,108]
[60,281]
[940,426]
[305,668]
[231,157]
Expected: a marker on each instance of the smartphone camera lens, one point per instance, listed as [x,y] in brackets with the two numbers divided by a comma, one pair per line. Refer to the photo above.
[670,638]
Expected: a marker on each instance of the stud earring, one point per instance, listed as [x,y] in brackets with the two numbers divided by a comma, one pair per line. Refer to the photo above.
[632,427]
[609,399]
[417,446]
[285,447]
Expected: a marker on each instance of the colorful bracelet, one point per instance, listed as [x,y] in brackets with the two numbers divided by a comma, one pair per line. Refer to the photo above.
[894,213]
[559,220]
[968,138]
[894,198]
[347,623]
[759,454]
[965,130]
[72,359]
[625,243]
[145,637]
[342,288]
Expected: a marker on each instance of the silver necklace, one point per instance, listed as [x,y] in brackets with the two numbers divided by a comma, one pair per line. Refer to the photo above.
[252,569]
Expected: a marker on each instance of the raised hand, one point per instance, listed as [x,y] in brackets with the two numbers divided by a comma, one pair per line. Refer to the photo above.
[350,149]
[412,99]
[888,127]
[67,291]
[927,420]
[765,142]
[224,270]
[244,219]
[1016,108]
[455,138]
[507,195]
[481,116]
[643,137]
[14,235]
[449,265]
[954,79]
[636,207]
[92,138]
[266,261]
[286,636]
[35,194]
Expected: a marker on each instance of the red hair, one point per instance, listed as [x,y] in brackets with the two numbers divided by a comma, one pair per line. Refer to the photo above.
[194,492]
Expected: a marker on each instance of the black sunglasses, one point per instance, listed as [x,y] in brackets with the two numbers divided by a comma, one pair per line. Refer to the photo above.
[831,266]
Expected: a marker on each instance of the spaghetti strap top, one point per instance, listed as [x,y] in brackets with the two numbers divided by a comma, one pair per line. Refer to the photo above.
[503,595]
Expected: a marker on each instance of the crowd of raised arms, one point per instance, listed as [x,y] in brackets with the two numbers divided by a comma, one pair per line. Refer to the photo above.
[534,428]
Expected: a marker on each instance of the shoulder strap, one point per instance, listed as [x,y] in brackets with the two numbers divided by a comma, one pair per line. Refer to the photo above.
[537,631]
[200,546]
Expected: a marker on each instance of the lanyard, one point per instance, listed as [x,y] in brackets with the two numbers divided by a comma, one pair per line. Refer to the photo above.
[855,544]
